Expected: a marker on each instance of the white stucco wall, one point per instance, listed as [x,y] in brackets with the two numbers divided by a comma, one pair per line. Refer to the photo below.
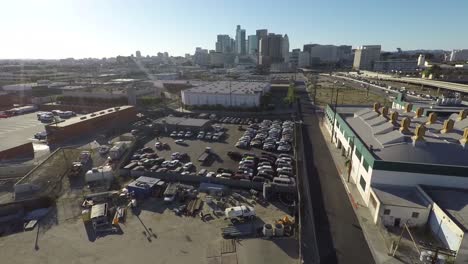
[443,227]
[411,179]
[405,215]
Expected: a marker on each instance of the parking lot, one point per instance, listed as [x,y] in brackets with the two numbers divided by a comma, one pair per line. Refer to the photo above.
[249,152]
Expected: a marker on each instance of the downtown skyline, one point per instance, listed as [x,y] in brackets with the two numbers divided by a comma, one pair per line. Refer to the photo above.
[82,29]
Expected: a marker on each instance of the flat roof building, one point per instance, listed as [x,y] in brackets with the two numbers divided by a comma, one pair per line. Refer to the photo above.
[173,123]
[87,124]
[227,94]
[403,147]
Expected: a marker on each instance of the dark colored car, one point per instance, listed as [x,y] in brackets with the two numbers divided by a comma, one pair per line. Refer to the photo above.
[234,155]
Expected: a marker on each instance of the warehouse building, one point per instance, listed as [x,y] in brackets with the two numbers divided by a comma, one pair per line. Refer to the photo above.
[88,124]
[171,123]
[225,93]
[448,218]
[400,147]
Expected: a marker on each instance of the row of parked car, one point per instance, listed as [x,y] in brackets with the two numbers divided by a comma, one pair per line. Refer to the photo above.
[267,168]
[268,135]
[146,159]
[238,120]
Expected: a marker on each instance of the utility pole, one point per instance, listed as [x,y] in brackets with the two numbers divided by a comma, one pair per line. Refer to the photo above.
[334,115]
[230,94]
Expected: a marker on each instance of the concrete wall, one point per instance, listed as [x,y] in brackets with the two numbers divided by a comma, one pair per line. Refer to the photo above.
[443,227]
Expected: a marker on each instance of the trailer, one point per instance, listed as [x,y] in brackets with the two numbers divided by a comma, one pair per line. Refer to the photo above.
[205,155]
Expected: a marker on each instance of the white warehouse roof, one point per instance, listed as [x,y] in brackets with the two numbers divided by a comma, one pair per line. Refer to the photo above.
[233,87]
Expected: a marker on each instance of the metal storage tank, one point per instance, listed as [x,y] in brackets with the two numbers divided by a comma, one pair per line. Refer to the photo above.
[279,229]
[267,230]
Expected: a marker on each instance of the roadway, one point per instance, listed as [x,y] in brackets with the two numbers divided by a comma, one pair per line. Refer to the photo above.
[337,229]
[456,87]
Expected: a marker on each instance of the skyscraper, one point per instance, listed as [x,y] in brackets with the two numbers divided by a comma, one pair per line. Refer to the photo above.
[240,40]
[285,48]
[223,44]
[274,47]
[138,54]
[365,56]
[252,45]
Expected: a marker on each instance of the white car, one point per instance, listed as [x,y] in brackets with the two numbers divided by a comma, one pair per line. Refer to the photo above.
[188,166]
[158,145]
[179,141]
[173,163]
[210,174]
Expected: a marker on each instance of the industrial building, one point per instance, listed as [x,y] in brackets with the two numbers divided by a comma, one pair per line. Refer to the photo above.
[400,146]
[366,56]
[394,153]
[225,93]
[400,66]
[88,124]
[171,123]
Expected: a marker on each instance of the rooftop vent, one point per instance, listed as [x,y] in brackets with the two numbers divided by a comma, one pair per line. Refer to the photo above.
[394,117]
[384,111]
[405,123]
[462,114]
[419,112]
[419,132]
[464,138]
[376,107]
[408,108]
[102,112]
[83,117]
[448,126]
[431,118]
[110,110]
[93,115]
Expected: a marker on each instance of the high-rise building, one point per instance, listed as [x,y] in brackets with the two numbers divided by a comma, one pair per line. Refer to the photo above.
[260,34]
[294,57]
[270,48]
[252,45]
[201,57]
[303,59]
[365,56]
[224,44]
[274,47]
[328,53]
[285,48]
[240,41]
[138,54]
[421,60]
[459,55]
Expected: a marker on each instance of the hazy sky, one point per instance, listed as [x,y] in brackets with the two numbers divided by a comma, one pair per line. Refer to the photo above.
[105,28]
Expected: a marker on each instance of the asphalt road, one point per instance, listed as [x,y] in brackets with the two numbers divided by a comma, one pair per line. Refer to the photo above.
[338,232]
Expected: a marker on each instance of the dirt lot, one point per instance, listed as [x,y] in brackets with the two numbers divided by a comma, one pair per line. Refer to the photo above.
[194,147]
[173,239]
[349,96]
